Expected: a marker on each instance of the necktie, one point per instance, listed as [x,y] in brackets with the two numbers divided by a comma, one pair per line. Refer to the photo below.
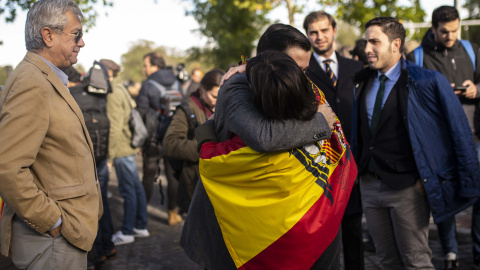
[377,108]
[329,72]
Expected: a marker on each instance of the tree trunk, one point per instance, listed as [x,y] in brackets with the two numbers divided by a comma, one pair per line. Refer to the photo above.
[291,11]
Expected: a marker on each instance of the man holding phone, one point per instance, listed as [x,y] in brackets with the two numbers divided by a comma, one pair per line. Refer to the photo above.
[458,60]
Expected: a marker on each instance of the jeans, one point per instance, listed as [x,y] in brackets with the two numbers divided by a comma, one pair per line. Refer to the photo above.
[447,232]
[447,229]
[131,189]
[103,242]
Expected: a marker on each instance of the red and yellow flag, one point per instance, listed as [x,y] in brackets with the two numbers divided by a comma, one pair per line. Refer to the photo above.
[278,210]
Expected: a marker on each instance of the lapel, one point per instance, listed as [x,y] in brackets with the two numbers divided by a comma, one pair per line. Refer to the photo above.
[364,117]
[343,71]
[61,90]
[360,79]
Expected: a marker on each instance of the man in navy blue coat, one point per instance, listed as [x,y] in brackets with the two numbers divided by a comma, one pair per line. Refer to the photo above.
[415,150]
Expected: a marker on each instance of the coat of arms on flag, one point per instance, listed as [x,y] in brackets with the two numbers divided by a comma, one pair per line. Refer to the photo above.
[279,210]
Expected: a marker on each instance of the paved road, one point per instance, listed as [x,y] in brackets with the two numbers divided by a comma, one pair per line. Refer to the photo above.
[162,250]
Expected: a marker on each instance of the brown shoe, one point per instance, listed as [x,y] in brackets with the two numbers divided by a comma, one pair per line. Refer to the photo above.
[173,217]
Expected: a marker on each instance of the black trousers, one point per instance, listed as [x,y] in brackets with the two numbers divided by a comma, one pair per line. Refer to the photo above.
[352,239]
[330,259]
[152,155]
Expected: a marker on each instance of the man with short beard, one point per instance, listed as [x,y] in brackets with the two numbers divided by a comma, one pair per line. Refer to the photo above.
[444,52]
[415,149]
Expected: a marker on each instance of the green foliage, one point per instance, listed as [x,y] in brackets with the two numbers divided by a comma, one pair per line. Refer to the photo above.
[3,75]
[359,12]
[346,34]
[473,7]
[472,32]
[10,7]
[231,27]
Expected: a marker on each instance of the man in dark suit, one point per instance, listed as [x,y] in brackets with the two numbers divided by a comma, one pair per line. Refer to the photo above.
[415,149]
[332,73]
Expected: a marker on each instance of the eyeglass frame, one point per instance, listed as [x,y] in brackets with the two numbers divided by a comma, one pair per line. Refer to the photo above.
[77,35]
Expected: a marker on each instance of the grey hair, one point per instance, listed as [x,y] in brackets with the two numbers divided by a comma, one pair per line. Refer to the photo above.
[47,13]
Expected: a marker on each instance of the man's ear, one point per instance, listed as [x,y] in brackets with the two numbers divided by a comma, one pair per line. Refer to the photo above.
[396,45]
[47,36]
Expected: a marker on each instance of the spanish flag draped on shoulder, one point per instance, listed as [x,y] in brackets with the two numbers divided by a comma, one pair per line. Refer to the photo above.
[278,210]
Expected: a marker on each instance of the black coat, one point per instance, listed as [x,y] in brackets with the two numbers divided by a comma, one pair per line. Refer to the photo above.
[340,99]
[149,95]
[454,63]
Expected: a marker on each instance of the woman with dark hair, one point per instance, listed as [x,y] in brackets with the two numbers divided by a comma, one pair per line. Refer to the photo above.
[180,144]
[293,200]
[235,113]
[280,88]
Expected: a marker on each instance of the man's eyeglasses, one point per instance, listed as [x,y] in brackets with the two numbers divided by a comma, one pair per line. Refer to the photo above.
[77,35]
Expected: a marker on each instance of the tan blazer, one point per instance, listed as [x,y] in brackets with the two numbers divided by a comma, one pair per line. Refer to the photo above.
[47,166]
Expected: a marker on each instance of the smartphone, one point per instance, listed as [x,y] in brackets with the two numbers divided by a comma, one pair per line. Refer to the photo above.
[460,88]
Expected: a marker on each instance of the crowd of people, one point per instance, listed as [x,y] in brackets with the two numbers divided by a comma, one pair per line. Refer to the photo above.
[273,163]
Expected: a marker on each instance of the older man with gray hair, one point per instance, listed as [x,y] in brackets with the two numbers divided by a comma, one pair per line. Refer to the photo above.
[47,167]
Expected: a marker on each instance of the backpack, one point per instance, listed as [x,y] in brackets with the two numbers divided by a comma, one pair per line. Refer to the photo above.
[91,97]
[94,108]
[136,124]
[169,101]
[169,98]
[418,53]
[97,79]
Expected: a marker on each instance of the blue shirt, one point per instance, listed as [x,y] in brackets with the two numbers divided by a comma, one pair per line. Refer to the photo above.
[392,74]
[61,75]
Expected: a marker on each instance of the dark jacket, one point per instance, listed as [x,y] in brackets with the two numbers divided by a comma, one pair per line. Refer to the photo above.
[440,139]
[177,145]
[149,95]
[340,99]
[455,64]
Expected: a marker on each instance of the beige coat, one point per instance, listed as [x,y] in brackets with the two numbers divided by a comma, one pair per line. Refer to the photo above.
[47,166]
[118,111]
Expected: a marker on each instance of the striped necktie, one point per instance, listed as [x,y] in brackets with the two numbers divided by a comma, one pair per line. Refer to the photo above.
[329,72]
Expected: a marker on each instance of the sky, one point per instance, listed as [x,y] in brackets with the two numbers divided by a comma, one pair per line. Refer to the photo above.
[162,21]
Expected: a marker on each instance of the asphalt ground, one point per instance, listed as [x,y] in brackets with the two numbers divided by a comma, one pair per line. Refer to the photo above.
[162,249]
